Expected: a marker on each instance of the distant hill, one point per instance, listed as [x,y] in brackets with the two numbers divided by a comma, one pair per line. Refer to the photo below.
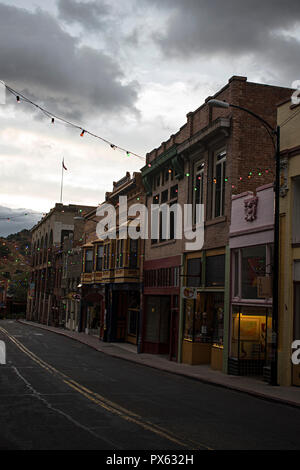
[15,220]
[15,262]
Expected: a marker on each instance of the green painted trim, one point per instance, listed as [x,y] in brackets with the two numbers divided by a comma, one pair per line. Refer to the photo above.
[159,161]
[226,311]
[147,184]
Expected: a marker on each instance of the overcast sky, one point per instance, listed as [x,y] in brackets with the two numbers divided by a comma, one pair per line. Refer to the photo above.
[129,71]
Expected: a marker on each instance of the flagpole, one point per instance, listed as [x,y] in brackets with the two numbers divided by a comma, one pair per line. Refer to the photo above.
[62,181]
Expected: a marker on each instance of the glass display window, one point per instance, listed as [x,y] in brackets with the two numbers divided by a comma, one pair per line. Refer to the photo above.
[251,335]
[204,318]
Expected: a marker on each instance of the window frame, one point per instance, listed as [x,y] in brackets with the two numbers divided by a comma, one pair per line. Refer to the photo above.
[216,163]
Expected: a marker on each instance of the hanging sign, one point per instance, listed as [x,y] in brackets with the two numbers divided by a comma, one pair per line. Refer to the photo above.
[264,287]
[189,292]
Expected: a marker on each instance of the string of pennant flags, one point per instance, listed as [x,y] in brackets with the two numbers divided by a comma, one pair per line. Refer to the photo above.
[53,117]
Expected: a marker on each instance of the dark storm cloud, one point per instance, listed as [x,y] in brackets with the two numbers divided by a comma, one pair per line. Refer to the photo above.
[233,28]
[41,59]
[90,15]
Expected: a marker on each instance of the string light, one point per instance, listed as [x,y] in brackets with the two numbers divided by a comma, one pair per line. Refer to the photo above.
[51,115]
[20,215]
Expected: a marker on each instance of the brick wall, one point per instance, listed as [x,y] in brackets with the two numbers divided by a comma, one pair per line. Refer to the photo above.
[249,149]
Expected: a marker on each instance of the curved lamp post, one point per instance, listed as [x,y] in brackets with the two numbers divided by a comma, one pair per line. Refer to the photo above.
[274,134]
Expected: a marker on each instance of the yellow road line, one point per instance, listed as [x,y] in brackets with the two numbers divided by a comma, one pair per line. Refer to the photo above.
[104,402]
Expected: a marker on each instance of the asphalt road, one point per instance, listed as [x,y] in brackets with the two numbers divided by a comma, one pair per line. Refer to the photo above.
[56,393]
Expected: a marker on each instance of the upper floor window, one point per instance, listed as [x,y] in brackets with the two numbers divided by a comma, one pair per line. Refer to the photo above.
[194,267]
[198,191]
[133,253]
[88,268]
[119,253]
[99,262]
[106,256]
[219,176]
[215,271]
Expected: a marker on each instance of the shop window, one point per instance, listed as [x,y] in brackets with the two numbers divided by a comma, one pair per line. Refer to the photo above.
[251,338]
[219,184]
[88,268]
[193,278]
[215,271]
[204,318]
[133,253]
[198,188]
[99,262]
[253,265]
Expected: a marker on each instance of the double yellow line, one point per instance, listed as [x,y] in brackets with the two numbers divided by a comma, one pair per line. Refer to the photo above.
[107,404]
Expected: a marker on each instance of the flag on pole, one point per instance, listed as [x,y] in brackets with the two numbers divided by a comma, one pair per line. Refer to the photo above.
[63,164]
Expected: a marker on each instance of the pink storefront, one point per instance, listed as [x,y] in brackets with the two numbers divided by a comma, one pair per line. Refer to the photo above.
[251,247]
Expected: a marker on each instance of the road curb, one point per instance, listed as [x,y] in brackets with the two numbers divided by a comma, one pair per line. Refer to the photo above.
[247,391]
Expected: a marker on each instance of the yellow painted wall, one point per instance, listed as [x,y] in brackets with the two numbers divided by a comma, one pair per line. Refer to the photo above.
[290,138]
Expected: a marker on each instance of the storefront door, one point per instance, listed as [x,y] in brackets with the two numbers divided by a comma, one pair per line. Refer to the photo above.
[158,316]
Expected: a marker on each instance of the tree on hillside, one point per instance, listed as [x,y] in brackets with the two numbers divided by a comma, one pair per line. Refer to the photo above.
[18,287]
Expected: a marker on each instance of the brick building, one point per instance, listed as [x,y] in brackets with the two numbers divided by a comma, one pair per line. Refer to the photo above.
[45,295]
[113,270]
[215,154]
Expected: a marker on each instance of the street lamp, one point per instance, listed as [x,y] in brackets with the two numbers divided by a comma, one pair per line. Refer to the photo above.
[273,132]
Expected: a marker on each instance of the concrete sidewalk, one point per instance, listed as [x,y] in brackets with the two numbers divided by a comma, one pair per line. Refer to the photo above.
[257,388]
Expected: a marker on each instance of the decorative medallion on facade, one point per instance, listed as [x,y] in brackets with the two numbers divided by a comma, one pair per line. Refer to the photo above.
[250,209]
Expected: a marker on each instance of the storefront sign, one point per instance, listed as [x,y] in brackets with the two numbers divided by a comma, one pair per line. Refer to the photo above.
[264,287]
[189,292]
